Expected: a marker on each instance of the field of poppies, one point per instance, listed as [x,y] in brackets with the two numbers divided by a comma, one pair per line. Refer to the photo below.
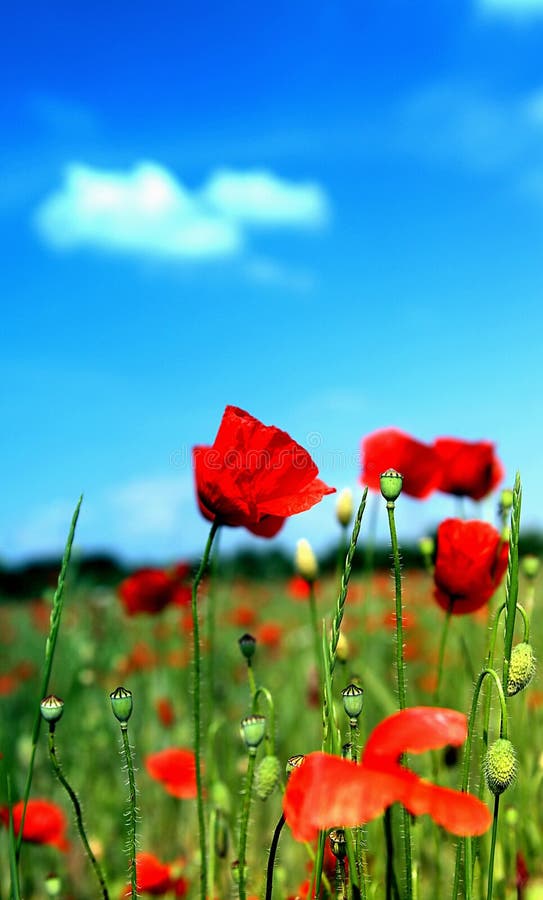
[350,734]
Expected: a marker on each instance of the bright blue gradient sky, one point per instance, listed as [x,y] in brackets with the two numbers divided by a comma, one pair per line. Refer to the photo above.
[330,214]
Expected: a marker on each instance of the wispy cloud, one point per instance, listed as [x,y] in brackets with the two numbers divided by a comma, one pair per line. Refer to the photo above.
[514,8]
[148,210]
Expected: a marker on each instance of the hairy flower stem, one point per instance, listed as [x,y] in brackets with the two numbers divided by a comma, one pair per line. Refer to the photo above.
[56,612]
[400,672]
[271,858]
[132,811]
[466,842]
[493,847]
[391,881]
[196,710]
[244,825]
[77,809]
[441,658]
[210,624]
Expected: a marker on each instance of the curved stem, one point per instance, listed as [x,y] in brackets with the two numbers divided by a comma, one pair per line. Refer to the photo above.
[78,813]
[196,710]
[131,810]
[271,858]
[244,824]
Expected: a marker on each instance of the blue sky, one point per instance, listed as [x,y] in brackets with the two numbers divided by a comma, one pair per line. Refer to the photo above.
[329,214]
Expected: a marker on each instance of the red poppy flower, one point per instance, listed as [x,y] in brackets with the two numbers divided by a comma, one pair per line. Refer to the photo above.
[146,591]
[298,587]
[45,823]
[470,562]
[390,448]
[327,791]
[254,475]
[469,469]
[175,768]
[157,878]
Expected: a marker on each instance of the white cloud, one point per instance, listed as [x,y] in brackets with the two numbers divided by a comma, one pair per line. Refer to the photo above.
[147,210]
[261,198]
[151,506]
[515,8]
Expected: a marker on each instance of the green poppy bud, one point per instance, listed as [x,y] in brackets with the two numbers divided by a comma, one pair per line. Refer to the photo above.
[521,668]
[267,776]
[121,704]
[52,708]
[220,796]
[530,566]
[500,766]
[391,483]
[353,700]
[253,729]
[247,645]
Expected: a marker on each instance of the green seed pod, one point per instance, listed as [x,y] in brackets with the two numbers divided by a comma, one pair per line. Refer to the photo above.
[353,700]
[427,545]
[391,483]
[247,645]
[506,499]
[220,796]
[52,708]
[521,668]
[121,704]
[267,776]
[253,729]
[500,766]
[53,885]
[530,566]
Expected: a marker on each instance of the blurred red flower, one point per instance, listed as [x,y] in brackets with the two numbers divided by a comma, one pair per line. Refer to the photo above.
[165,711]
[254,475]
[175,768]
[327,791]
[150,590]
[157,878]
[45,823]
[468,469]
[391,448]
[298,588]
[471,559]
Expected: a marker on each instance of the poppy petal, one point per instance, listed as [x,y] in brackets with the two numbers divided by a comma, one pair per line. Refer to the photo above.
[460,813]
[327,791]
[413,730]
[175,768]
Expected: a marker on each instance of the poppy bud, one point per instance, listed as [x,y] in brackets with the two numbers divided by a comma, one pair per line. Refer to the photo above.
[500,765]
[344,507]
[52,708]
[267,776]
[306,561]
[220,796]
[53,885]
[427,546]
[521,668]
[253,729]
[121,704]
[530,566]
[247,645]
[294,762]
[338,844]
[391,483]
[506,500]
[353,700]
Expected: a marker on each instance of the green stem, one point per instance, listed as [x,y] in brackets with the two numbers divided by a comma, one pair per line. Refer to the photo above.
[493,847]
[511,583]
[78,813]
[132,811]
[244,824]
[196,710]
[50,645]
[210,626]
[271,857]
[391,880]
[465,775]
[400,672]
[441,658]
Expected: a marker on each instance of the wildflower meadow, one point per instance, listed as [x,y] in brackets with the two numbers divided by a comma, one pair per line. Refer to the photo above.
[349,731]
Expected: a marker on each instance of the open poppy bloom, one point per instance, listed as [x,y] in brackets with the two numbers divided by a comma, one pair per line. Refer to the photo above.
[254,475]
[150,590]
[469,469]
[390,448]
[471,559]
[329,792]
[45,823]
[175,768]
